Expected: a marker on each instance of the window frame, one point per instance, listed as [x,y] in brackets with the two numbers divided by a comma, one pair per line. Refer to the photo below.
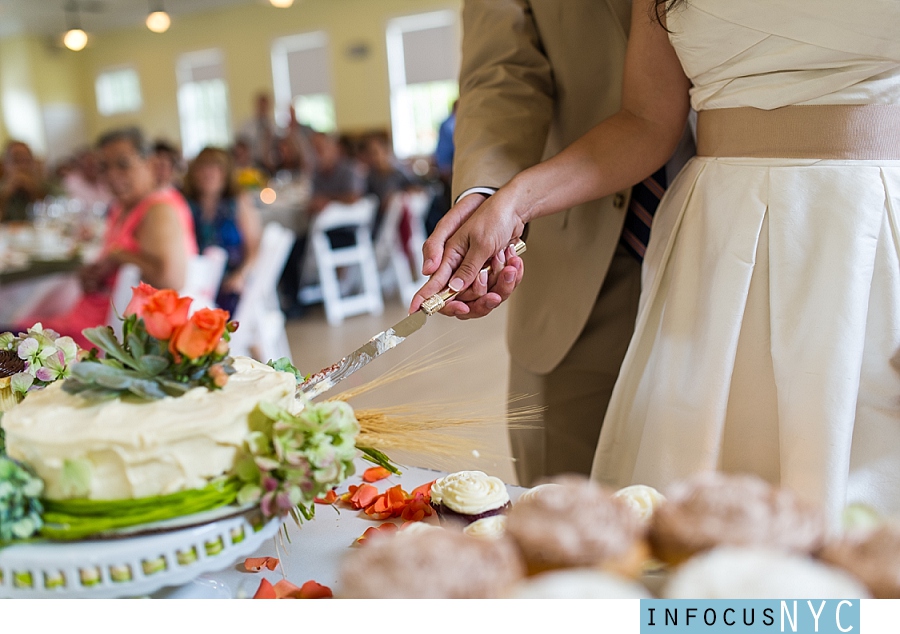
[112,70]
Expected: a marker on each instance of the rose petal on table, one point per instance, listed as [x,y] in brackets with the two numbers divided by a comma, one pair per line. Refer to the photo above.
[423,490]
[330,498]
[374,474]
[265,590]
[363,496]
[313,590]
[284,589]
[255,564]
[416,510]
[377,531]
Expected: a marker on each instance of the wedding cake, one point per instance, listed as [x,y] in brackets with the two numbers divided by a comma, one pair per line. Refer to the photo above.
[127,448]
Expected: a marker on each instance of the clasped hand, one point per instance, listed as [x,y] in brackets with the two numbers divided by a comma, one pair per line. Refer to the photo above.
[475,232]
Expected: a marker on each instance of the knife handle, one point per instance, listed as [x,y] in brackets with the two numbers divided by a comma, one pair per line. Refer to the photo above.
[437,301]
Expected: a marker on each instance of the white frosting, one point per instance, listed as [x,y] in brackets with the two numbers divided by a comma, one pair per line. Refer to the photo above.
[535,491]
[578,583]
[641,499]
[758,573]
[493,527]
[469,492]
[139,448]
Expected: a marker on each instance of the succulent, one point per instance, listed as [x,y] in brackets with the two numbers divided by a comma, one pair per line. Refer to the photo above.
[289,460]
[20,507]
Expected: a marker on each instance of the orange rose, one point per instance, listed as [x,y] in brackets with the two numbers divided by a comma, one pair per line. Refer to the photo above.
[201,334]
[140,295]
[164,313]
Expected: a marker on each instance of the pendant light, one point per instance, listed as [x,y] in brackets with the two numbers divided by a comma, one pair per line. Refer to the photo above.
[75,38]
[281,4]
[158,20]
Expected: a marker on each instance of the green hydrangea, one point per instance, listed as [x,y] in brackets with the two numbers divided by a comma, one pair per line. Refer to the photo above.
[290,460]
[20,507]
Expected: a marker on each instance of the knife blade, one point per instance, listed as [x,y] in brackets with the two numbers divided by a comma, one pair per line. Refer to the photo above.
[327,378]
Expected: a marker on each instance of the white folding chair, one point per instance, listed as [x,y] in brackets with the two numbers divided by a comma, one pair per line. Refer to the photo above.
[204,276]
[399,262]
[128,276]
[357,216]
[261,332]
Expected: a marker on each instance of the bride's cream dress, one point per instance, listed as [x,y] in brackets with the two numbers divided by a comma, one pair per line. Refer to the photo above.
[769,330]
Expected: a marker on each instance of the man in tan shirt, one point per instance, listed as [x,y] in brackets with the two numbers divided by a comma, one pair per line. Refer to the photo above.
[536,75]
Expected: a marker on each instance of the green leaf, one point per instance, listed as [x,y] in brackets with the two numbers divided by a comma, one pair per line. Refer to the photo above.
[135,345]
[153,364]
[381,459]
[284,365]
[104,338]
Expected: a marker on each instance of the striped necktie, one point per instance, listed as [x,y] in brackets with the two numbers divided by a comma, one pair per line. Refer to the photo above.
[645,198]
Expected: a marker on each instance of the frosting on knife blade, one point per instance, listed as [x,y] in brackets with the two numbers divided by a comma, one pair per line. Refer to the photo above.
[327,378]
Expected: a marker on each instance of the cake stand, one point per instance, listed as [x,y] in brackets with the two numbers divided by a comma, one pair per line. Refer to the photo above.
[130,565]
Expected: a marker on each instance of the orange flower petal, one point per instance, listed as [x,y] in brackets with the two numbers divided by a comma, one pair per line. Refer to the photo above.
[255,564]
[375,531]
[374,474]
[363,496]
[313,590]
[284,589]
[330,498]
[416,510]
[423,490]
[265,590]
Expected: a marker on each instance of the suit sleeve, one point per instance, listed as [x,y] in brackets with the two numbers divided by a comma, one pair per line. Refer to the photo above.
[506,95]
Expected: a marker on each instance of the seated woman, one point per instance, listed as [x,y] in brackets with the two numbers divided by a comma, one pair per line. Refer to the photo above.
[147,227]
[223,217]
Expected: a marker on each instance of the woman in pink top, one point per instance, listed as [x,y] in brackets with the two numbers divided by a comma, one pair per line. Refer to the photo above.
[150,228]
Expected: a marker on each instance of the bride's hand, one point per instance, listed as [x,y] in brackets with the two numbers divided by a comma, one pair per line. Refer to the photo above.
[468,237]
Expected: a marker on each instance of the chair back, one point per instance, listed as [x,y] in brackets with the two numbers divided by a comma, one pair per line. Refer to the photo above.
[204,276]
[261,332]
[398,245]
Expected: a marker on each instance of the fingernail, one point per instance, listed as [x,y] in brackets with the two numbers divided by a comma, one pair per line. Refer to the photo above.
[502,256]
[509,276]
[456,285]
[427,264]
[482,277]
[511,251]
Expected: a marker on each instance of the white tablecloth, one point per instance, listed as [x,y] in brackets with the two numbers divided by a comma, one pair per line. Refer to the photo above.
[315,549]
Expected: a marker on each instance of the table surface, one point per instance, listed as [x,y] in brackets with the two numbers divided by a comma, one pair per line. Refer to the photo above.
[315,549]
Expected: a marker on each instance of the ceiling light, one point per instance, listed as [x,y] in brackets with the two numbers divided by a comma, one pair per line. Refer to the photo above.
[158,21]
[75,39]
[281,4]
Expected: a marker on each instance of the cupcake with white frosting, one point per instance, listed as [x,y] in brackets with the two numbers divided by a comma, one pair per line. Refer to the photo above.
[467,496]
[493,527]
[540,489]
[641,499]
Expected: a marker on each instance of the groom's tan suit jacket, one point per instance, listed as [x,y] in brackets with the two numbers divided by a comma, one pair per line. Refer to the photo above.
[526,93]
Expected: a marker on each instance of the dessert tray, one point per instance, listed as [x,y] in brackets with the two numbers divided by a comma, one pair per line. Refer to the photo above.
[131,565]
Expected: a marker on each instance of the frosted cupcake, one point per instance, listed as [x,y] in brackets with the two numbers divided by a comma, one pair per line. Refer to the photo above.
[871,556]
[759,573]
[641,499]
[581,525]
[716,509]
[493,527]
[541,489]
[467,496]
[434,564]
[581,583]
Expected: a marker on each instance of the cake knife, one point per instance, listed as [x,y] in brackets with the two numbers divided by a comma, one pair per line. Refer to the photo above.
[327,378]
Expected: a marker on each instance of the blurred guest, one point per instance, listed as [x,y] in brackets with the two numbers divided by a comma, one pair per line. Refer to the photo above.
[146,226]
[224,217]
[336,178]
[260,133]
[443,160]
[248,176]
[83,182]
[386,175]
[295,142]
[22,182]
[166,162]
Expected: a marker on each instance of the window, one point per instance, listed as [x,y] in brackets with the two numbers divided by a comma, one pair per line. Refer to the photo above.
[423,64]
[202,101]
[118,91]
[302,78]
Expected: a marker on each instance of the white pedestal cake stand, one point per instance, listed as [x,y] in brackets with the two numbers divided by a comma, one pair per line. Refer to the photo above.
[130,566]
